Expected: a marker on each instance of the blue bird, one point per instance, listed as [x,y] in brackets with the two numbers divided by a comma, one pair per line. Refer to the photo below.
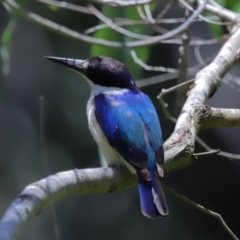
[125,125]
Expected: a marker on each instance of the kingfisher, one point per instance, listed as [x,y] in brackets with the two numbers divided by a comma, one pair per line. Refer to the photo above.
[125,125]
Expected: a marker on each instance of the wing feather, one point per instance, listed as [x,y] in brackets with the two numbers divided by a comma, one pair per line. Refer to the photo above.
[130,123]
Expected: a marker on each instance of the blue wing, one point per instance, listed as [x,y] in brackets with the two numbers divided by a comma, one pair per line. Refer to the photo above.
[130,123]
[152,127]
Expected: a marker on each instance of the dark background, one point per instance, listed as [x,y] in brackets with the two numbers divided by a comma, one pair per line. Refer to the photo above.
[210,181]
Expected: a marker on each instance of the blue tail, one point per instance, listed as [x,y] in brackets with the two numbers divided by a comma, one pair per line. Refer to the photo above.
[152,198]
[153,202]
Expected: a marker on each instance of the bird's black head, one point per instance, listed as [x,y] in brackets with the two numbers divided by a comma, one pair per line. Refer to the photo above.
[103,71]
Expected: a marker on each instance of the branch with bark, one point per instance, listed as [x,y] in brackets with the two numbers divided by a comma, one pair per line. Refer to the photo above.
[195,115]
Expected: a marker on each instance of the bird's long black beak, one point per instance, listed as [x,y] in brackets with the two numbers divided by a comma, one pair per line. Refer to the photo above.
[74,64]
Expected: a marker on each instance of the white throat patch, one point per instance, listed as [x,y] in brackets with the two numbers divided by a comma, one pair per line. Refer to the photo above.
[96,89]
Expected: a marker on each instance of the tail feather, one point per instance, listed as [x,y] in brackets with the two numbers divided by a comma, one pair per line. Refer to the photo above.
[153,202]
[159,197]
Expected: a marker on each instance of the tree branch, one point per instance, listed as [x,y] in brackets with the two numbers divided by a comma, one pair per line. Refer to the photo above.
[122,3]
[48,190]
[219,117]
[221,12]
[84,38]
[181,143]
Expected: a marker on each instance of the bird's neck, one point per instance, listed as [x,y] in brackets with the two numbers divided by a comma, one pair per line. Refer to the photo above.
[97,89]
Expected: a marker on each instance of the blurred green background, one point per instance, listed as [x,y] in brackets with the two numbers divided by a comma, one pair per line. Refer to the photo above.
[210,181]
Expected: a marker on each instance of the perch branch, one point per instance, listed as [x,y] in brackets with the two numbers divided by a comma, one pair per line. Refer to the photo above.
[48,190]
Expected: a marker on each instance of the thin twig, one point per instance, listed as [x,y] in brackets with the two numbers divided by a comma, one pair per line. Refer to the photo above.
[127,22]
[32,17]
[41,137]
[166,91]
[186,5]
[123,3]
[164,11]
[164,69]
[232,80]
[114,26]
[45,165]
[183,63]
[151,68]
[81,37]
[156,79]
[203,209]
[141,13]
[213,152]
[174,88]
[148,14]
[67,5]
[198,56]
[221,12]
[193,41]
[230,156]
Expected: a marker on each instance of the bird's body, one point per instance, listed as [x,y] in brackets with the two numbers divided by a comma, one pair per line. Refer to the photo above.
[111,155]
[125,125]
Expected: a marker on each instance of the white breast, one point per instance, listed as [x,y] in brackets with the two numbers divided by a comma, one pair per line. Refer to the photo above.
[111,155]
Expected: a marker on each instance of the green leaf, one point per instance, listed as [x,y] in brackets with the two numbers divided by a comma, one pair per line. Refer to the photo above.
[22,3]
[5,45]
[54,8]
